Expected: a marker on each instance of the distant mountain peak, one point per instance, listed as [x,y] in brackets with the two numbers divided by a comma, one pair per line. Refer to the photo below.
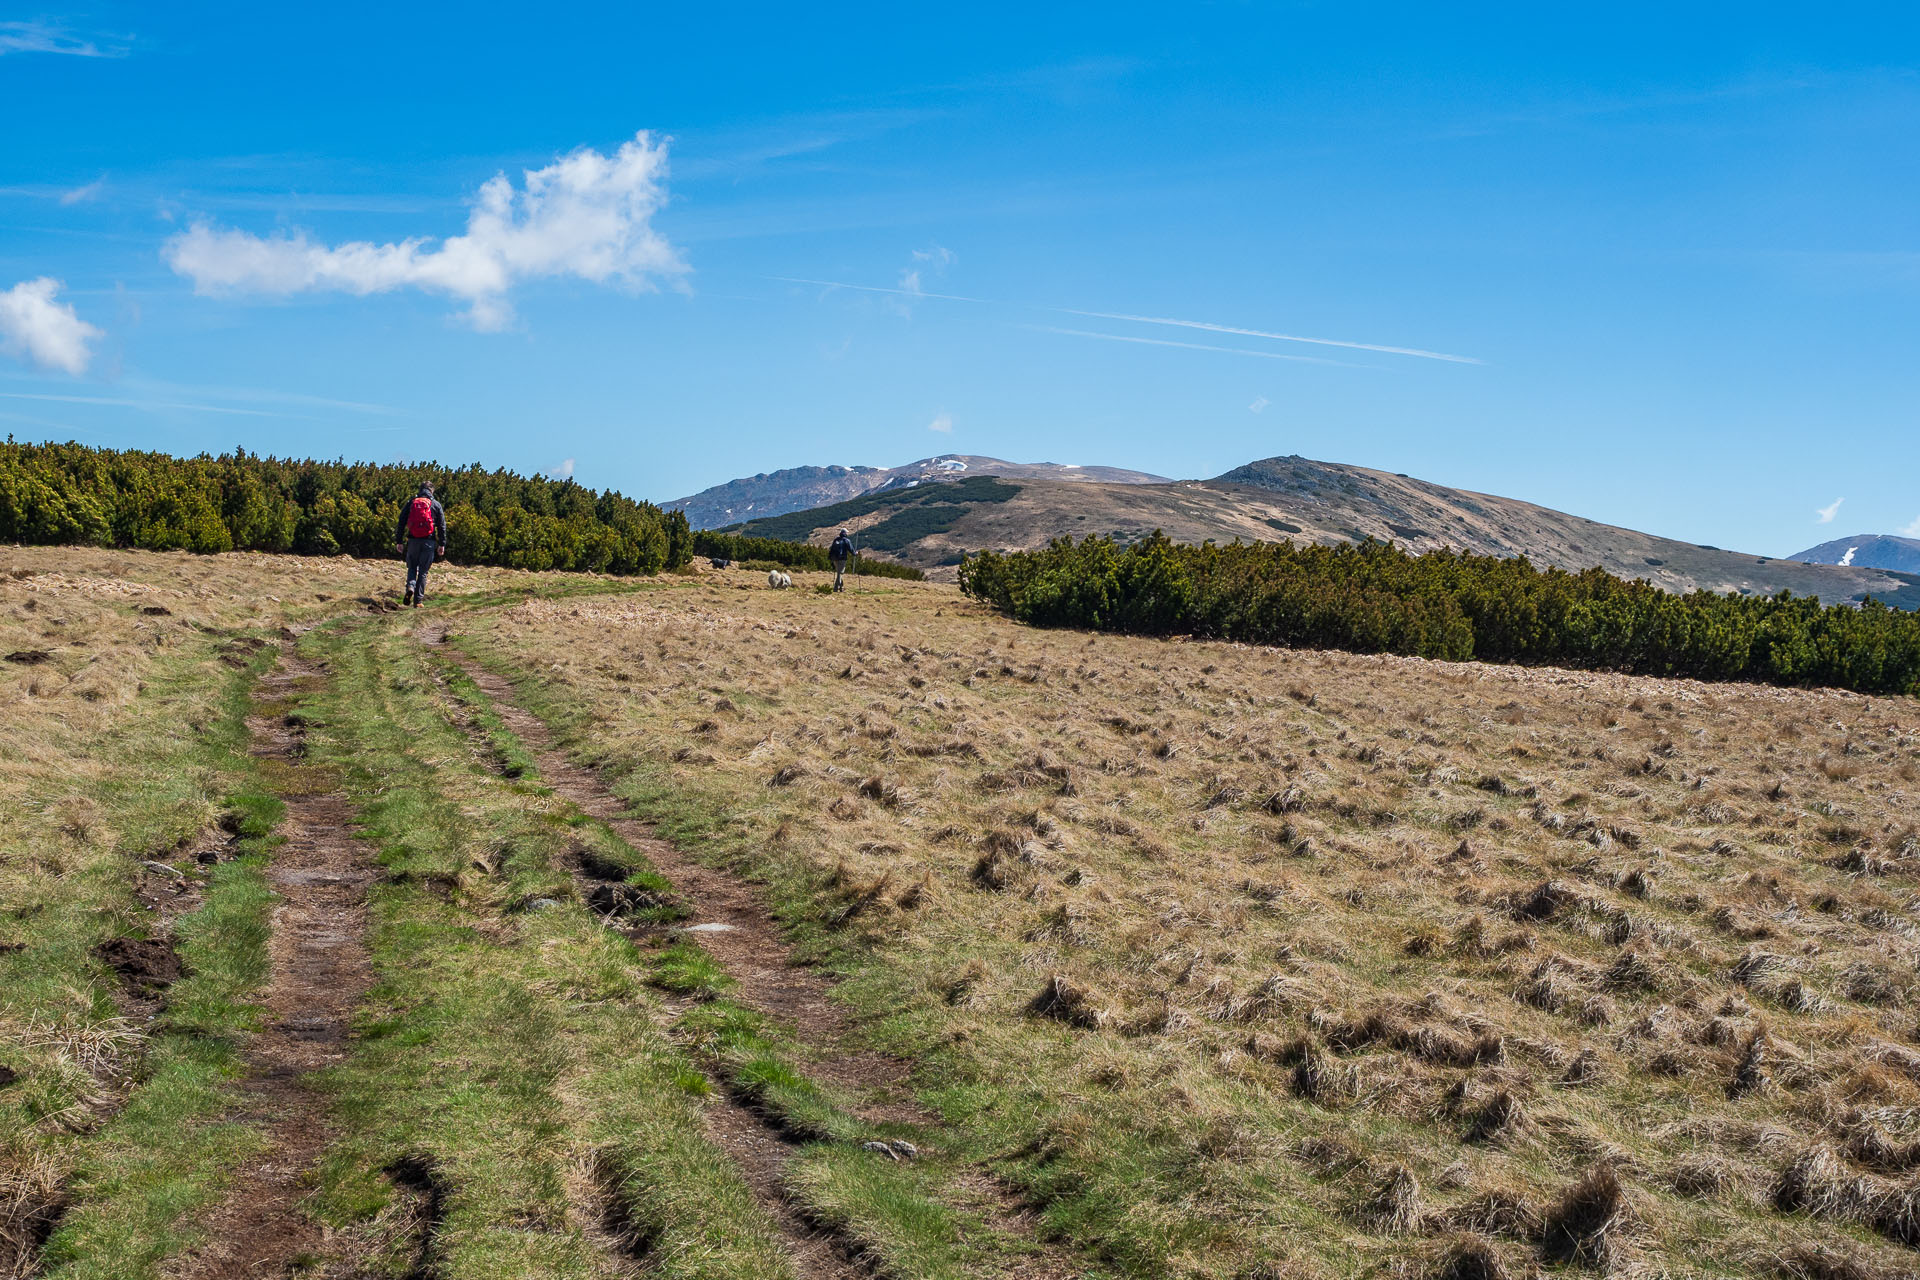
[1866,551]
[776,493]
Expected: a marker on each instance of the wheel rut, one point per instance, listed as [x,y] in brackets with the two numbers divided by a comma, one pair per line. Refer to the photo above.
[748,947]
[769,979]
[320,971]
[747,941]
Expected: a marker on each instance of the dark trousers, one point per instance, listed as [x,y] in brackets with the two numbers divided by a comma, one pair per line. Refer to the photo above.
[420,552]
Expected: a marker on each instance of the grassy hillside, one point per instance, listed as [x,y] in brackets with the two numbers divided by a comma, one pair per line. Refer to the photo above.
[1164,959]
[888,522]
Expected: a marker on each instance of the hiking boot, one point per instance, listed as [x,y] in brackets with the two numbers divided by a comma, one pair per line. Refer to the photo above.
[406,599]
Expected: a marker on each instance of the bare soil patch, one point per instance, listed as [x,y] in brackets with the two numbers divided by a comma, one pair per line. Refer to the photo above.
[147,967]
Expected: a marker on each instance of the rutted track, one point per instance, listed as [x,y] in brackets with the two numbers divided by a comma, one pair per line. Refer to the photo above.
[770,980]
[749,947]
[320,972]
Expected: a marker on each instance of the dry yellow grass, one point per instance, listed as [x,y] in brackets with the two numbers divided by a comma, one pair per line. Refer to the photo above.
[1238,958]
[1237,962]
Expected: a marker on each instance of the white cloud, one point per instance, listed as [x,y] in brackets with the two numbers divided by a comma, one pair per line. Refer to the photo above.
[934,260]
[80,195]
[1825,515]
[1847,559]
[943,424]
[562,472]
[1259,404]
[585,215]
[1912,530]
[39,37]
[34,325]
[874,288]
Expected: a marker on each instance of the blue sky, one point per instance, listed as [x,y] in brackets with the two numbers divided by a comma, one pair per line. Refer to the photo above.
[1674,249]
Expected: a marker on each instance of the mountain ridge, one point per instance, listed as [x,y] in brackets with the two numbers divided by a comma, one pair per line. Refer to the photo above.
[777,493]
[1305,500]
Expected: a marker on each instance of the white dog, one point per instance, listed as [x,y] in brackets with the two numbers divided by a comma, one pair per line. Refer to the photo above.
[779,580]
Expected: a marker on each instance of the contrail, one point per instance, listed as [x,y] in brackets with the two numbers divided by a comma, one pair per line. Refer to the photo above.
[1262,333]
[905,293]
[1191,346]
[1417,352]
[148,405]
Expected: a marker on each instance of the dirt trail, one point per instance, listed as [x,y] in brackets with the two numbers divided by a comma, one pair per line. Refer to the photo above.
[751,950]
[769,980]
[320,971]
[749,945]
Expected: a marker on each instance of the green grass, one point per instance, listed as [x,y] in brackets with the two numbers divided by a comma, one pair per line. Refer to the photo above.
[906,1214]
[511,758]
[513,1046]
[687,970]
[894,1208]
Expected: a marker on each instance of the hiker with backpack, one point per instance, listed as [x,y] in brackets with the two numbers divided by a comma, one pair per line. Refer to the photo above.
[838,554]
[422,538]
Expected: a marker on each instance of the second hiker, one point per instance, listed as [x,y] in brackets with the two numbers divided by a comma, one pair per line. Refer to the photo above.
[422,538]
[839,553]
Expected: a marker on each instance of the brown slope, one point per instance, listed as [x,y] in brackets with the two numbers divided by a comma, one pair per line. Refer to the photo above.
[1332,501]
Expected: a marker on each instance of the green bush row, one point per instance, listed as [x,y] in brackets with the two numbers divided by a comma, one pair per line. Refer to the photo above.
[70,493]
[1375,598]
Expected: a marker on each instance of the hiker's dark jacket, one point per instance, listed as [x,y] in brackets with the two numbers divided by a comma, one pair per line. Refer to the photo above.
[439,522]
[842,548]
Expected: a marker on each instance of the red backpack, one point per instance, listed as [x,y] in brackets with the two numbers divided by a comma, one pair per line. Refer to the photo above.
[420,518]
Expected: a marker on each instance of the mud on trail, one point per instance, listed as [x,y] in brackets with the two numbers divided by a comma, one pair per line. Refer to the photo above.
[320,971]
